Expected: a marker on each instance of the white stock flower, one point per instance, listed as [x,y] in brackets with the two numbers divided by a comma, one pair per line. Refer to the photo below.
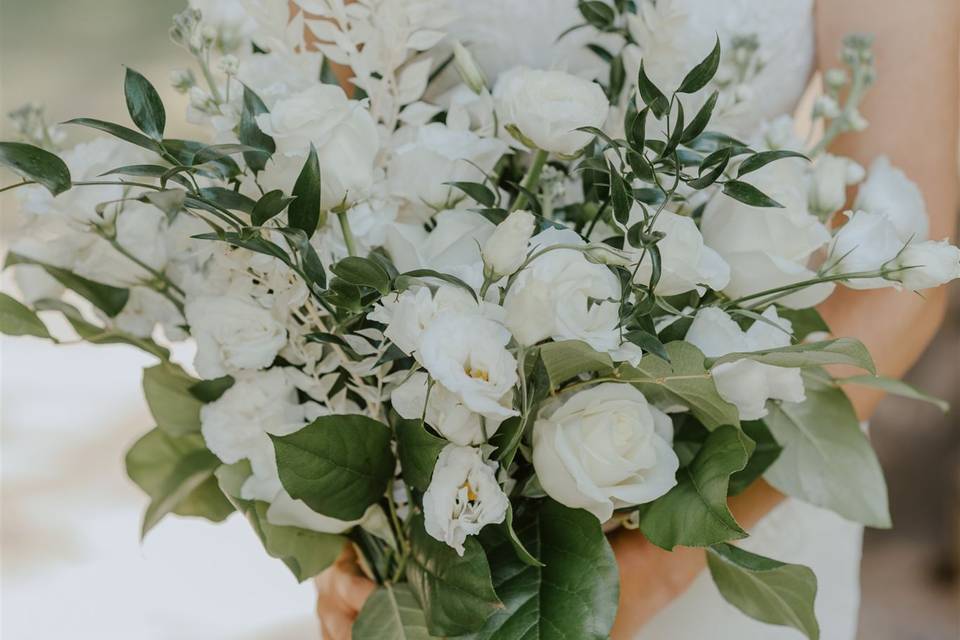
[931,264]
[889,192]
[506,249]
[343,133]
[233,333]
[745,383]
[829,179]
[866,242]
[548,106]
[466,354]
[445,411]
[463,496]
[604,448]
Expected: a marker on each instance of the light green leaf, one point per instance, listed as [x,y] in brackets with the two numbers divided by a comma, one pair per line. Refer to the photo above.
[694,513]
[108,299]
[391,613]
[765,589]
[456,592]
[569,358]
[418,451]
[98,335]
[339,464]
[17,319]
[812,354]
[765,451]
[167,389]
[34,163]
[897,388]
[826,459]
[144,104]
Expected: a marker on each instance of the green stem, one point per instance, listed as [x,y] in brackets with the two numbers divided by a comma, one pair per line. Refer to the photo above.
[347,233]
[167,284]
[839,125]
[531,180]
[205,68]
[785,289]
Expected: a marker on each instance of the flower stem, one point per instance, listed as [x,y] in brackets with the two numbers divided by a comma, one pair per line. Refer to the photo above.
[347,233]
[531,180]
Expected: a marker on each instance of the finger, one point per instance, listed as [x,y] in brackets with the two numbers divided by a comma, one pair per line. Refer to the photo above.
[352,589]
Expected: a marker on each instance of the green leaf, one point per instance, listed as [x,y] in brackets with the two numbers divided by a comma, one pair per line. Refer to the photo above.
[694,513]
[304,212]
[651,95]
[683,380]
[568,358]
[765,452]
[573,596]
[477,191]
[17,319]
[698,77]
[804,321]
[309,259]
[228,199]
[826,459]
[619,197]
[700,121]
[848,351]
[391,613]
[446,277]
[177,474]
[764,158]
[210,390]
[648,342]
[897,388]
[110,300]
[98,335]
[34,163]
[170,201]
[363,272]
[305,552]
[144,104]
[167,389]
[456,592]
[522,553]
[749,194]
[765,589]
[418,451]
[119,131]
[269,205]
[215,152]
[339,464]
[250,134]
[599,14]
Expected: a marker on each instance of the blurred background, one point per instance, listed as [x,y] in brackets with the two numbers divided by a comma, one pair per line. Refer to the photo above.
[72,565]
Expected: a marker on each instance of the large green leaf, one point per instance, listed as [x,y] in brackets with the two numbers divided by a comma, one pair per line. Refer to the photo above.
[363,272]
[339,465]
[177,474]
[568,358]
[167,389]
[811,354]
[694,513]
[108,299]
[456,592]
[144,104]
[391,613]
[573,596]
[305,552]
[34,163]
[826,458]
[17,319]
[684,380]
[418,451]
[764,589]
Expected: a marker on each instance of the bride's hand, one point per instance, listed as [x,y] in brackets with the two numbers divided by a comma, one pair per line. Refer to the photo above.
[341,591]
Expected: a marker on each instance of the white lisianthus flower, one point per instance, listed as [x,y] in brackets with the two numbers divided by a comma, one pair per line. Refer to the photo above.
[866,242]
[506,249]
[686,264]
[563,295]
[343,133]
[547,108]
[427,157]
[233,333]
[745,383]
[463,496]
[931,264]
[889,192]
[409,313]
[829,179]
[467,355]
[35,283]
[445,411]
[604,448]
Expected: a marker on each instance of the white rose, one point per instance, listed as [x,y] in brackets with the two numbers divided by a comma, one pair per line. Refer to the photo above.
[463,496]
[889,192]
[866,242]
[829,179]
[933,264]
[745,383]
[233,333]
[467,355]
[342,131]
[445,412]
[429,156]
[548,106]
[506,249]
[604,448]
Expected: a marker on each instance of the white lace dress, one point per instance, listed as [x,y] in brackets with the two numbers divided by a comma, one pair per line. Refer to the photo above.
[503,33]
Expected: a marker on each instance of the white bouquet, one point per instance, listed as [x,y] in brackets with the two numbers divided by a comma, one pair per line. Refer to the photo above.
[460,326]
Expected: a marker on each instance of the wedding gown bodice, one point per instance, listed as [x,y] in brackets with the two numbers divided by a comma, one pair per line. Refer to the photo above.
[505,33]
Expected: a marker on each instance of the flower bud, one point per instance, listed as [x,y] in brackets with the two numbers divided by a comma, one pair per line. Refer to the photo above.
[182,80]
[469,70]
[229,64]
[827,107]
[506,249]
[930,264]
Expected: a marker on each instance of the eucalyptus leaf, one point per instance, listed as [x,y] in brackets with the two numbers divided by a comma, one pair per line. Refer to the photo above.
[144,104]
[34,163]
[17,319]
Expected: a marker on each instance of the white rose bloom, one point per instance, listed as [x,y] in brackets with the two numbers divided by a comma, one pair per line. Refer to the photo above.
[866,242]
[686,263]
[506,249]
[426,157]
[463,496]
[467,355]
[343,133]
[934,263]
[604,448]
[563,295]
[829,179]
[445,412]
[233,333]
[745,383]
[548,106]
[889,192]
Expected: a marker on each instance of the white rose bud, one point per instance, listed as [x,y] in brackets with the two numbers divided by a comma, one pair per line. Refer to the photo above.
[463,496]
[469,70]
[604,448]
[932,264]
[506,249]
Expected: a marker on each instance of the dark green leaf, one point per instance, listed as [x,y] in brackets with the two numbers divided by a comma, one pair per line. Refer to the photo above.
[651,95]
[144,105]
[804,321]
[362,272]
[228,199]
[764,158]
[700,75]
[446,277]
[418,451]
[749,194]
[110,300]
[269,205]
[119,131]
[34,163]
[480,193]
[249,132]
[391,613]
[637,131]
[304,213]
[700,121]
[210,390]
[648,342]
[599,14]
[619,197]
[16,319]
